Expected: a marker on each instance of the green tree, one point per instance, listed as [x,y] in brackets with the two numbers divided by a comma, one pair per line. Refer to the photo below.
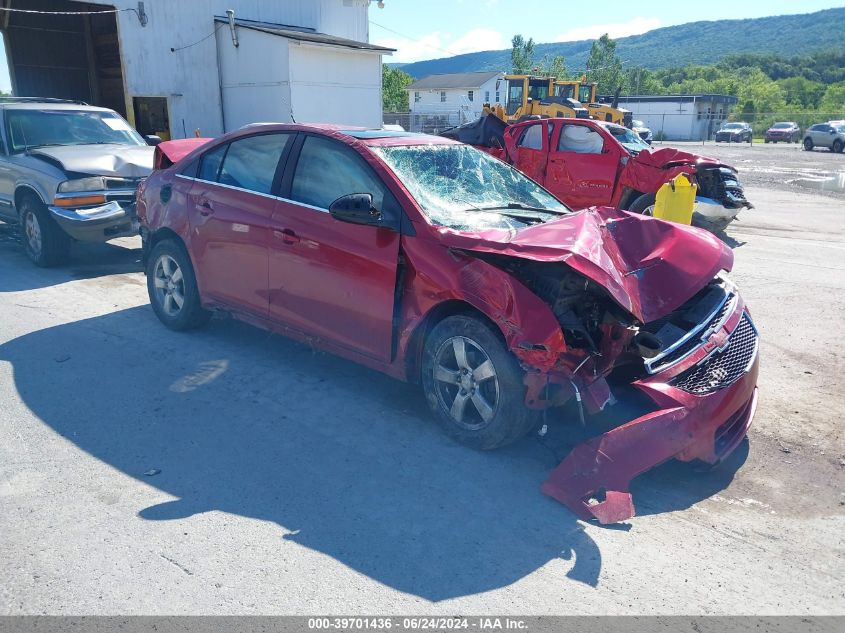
[554,67]
[801,93]
[833,101]
[604,66]
[394,97]
[522,55]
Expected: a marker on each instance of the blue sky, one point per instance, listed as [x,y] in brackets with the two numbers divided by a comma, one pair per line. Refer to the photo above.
[438,28]
[426,29]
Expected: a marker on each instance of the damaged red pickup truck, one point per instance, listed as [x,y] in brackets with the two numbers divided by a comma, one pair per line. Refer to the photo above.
[588,163]
[433,262]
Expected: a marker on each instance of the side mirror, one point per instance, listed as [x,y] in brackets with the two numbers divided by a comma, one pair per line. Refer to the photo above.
[152,139]
[356,208]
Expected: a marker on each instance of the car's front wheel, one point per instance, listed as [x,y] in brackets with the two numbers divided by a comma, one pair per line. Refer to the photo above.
[172,287]
[44,241]
[808,144]
[474,385]
[837,146]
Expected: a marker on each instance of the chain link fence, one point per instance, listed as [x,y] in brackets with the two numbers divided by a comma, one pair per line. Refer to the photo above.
[667,126]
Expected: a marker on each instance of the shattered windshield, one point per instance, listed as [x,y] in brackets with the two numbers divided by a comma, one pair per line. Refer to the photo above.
[463,188]
[629,139]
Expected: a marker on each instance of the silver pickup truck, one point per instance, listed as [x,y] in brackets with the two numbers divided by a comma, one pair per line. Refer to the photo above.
[68,171]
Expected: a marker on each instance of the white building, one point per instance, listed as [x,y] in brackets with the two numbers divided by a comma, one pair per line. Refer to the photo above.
[680,117]
[453,99]
[175,66]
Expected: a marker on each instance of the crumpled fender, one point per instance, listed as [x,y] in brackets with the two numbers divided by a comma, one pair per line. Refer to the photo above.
[527,323]
[648,170]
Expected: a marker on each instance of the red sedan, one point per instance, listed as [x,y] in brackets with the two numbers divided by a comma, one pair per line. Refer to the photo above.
[436,263]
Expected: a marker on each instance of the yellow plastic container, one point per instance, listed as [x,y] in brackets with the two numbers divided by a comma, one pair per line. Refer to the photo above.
[675,200]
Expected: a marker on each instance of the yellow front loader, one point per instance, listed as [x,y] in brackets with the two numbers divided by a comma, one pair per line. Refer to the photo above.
[546,97]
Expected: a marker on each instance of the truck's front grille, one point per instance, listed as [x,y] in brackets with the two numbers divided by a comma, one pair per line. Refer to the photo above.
[725,367]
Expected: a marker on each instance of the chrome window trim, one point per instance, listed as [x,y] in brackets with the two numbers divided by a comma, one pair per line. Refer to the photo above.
[698,330]
[256,193]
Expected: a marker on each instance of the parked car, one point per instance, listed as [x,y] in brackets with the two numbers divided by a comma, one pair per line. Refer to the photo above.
[640,128]
[592,163]
[787,131]
[830,135]
[434,262]
[69,171]
[737,132]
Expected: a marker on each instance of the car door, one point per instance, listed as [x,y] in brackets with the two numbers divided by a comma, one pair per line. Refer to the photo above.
[7,177]
[331,279]
[230,207]
[821,135]
[532,150]
[583,166]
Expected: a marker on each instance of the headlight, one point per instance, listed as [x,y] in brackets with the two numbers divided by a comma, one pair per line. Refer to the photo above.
[95,183]
[730,286]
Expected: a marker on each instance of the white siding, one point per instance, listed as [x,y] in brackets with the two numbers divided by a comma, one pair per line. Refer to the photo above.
[457,101]
[190,78]
[330,85]
[255,78]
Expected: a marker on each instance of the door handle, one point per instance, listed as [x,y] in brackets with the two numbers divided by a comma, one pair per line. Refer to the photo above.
[288,236]
[205,208]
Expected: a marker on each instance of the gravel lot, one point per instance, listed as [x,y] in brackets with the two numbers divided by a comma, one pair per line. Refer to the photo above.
[230,471]
[780,166]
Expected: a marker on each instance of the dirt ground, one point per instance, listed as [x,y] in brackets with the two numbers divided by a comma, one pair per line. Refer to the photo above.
[229,471]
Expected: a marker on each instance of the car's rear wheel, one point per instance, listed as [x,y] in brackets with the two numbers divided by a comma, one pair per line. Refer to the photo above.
[808,144]
[172,287]
[837,146]
[474,385]
[44,241]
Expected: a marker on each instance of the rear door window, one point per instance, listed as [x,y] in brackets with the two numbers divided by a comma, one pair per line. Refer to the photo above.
[211,161]
[251,162]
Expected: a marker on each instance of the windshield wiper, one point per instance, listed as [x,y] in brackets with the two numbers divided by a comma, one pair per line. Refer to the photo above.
[521,207]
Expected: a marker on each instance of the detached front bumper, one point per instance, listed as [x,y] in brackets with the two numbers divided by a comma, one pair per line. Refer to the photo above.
[695,420]
[97,224]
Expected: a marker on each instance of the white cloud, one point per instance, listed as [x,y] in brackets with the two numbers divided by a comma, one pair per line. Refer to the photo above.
[439,44]
[634,26]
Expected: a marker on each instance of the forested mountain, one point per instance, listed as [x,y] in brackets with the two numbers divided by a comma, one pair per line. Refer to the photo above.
[674,46]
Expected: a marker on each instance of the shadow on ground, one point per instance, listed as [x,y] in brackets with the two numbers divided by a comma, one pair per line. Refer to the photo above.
[345,460]
[85,261]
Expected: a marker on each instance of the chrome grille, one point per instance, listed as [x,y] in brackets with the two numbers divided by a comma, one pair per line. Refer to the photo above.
[725,367]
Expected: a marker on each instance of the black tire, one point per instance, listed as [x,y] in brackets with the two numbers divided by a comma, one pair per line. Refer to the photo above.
[509,418]
[837,146]
[45,243]
[808,144]
[642,203]
[190,314]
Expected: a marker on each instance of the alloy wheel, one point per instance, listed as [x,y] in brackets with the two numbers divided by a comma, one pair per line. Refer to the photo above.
[32,230]
[466,382]
[169,285]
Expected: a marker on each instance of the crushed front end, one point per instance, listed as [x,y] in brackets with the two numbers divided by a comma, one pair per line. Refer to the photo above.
[697,365]
[720,197]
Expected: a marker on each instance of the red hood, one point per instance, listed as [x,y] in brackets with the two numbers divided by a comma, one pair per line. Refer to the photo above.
[648,266]
[669,156]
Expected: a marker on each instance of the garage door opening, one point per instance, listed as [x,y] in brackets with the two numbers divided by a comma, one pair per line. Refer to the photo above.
[64,56]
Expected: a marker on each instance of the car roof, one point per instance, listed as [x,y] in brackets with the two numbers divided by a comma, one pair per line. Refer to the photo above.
[47,105]
[369,136]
